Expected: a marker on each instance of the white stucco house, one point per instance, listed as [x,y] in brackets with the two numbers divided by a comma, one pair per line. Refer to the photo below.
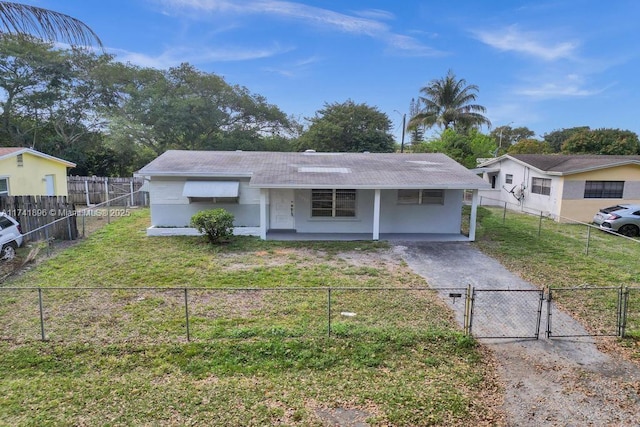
[324,196]
[564,187]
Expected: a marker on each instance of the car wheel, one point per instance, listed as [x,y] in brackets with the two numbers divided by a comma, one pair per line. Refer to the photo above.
[8,251]
[629,230]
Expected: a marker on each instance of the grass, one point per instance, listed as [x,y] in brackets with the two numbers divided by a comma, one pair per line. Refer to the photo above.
[557,255]
[119,356]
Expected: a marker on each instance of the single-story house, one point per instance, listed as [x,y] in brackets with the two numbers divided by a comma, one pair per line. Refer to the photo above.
[27,172]
[565,187]
[310,195]
[279,195]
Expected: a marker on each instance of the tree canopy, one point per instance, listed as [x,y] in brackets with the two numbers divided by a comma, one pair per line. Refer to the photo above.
[465,148]
[449,103]
[530,146]
[602,141]
[348,127]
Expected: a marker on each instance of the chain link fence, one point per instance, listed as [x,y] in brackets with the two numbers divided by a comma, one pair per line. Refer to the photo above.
[201,314]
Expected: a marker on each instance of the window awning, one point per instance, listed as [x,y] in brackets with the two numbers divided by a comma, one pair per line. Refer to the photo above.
[210,189]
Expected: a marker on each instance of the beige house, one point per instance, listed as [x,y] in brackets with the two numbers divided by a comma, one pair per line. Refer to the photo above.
[24,171]
[565,187]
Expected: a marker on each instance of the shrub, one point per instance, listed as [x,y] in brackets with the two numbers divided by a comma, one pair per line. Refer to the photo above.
[217,224]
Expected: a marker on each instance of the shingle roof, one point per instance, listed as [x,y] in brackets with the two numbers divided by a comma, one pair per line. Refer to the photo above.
[565,164]
[573,163]
[319,170]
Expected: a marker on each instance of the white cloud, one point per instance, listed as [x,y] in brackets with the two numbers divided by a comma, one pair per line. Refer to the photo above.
[368,23]
[528,43]
[176,56]
[569,86]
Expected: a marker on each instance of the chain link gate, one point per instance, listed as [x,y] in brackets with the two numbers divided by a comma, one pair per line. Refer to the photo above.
[609,324]
[505,313]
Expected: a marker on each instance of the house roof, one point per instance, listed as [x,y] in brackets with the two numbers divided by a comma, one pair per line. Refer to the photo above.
[560,164]
[318,170]
[6,152]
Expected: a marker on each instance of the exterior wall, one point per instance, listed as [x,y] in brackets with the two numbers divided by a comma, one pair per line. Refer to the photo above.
[576,207]
[432,219]
[394,218]
[170,209]
[29,179]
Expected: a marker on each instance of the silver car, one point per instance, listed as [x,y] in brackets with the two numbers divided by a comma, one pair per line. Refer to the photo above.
[10,236]
[623,219]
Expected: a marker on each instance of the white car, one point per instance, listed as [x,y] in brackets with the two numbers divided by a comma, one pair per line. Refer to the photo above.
[10,236]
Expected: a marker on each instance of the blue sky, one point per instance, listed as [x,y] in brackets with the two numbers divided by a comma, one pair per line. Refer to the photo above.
[542,64]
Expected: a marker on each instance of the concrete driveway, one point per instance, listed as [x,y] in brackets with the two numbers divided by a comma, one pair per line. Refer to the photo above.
[560,381]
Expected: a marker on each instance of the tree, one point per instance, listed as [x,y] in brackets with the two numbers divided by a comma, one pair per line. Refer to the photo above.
[505,136]
[17,18]
[466,148]
[558,137]
[448,103]
[348,127]
[602,141]
[530,146]
[183,108]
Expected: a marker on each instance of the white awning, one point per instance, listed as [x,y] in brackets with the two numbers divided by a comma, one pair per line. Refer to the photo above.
[210,189]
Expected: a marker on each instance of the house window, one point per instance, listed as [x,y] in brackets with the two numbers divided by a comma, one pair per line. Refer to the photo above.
[333,203]
[541,186]
[420,197]
[4,186]
[20,160]
[508,179]
[214,200]
[603,189]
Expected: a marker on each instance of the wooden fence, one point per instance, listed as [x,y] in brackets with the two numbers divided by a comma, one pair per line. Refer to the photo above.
[94,190]
[36,212]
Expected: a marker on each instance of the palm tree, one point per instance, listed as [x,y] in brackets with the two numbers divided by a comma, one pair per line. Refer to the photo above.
[18,18]
[448,103]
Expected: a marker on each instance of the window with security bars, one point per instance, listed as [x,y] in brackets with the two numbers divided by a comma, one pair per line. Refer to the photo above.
[333,203]
[541,186]
[603,189]
[420,197]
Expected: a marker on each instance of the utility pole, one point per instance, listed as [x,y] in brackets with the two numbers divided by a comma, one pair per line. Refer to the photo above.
[404,121]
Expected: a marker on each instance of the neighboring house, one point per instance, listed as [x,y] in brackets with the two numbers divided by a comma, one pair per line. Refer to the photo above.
[565,187]
[27,172]
[313,195]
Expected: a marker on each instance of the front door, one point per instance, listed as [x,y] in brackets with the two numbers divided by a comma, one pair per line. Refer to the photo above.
[50,185]
[281,209]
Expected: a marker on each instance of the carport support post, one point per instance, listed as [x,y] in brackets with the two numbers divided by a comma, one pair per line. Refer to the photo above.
[376,214]
[263,213]
[474,216]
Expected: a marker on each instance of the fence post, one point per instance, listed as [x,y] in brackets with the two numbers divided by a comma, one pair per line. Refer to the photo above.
[504,213]
[106,185]
[186,313]
[86,189]
[329,311]
[131,191]
[540,224]
[42,334]
[549,304]
[46,238]
[623,310]
[586,251]
[468,310]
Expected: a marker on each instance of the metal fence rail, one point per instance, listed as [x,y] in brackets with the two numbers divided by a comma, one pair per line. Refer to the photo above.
[204,314]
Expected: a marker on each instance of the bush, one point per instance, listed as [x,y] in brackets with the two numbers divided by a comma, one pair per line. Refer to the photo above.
[217,224]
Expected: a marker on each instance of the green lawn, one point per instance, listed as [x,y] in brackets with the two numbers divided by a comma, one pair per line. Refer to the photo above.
[119,356]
